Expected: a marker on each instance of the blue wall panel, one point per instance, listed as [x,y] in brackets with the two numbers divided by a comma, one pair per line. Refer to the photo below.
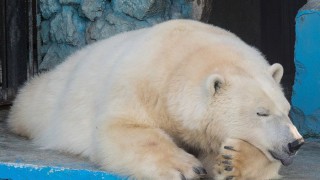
[306,91]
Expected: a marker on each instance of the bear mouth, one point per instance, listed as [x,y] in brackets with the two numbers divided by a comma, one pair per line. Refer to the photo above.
[284,158]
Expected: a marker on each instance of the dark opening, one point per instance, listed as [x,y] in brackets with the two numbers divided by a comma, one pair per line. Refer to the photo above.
[18,45]
[268,25]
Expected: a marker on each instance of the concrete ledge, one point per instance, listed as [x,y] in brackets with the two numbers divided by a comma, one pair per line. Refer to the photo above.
[20,159]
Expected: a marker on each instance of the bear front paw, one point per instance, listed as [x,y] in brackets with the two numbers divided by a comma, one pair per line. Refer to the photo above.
[227,164]
[239,160]
[180,166]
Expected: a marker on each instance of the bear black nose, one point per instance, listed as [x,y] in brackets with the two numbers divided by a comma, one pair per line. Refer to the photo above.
[295,145]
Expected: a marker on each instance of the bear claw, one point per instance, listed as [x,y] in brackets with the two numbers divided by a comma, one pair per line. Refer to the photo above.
[199,170]
[227,156]
[229,148]
[226,162]
[229,178]
[183,177]
[228,168]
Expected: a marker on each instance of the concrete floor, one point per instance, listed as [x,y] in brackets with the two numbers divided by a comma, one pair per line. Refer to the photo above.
[15,149]
[306,165]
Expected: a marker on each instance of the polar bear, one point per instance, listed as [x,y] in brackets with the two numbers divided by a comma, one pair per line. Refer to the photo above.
[180,100]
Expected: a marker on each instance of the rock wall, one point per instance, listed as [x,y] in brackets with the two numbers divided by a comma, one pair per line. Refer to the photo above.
[67,25]
[306,90]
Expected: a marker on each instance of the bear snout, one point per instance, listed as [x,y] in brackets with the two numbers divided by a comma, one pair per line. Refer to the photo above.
[286,153]
[295,145]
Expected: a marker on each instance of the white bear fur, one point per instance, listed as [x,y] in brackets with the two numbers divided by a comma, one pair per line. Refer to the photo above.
[133,102]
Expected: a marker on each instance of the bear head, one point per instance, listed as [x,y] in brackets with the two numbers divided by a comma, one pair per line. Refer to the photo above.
[226,89]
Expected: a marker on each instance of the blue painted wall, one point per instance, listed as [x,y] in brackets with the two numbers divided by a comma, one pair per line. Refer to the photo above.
[16,171]
[67,25]
[306,91]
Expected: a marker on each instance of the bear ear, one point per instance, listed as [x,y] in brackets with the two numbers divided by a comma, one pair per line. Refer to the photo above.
[276,71]
[214,83]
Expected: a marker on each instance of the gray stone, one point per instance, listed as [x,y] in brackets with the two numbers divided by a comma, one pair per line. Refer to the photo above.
[181,10]
[38,20]
[49,7]
[68,27]
[308,125]
[55,55]
[186,10]
[99,29]
[197,8]
[45,31]
[70,2]
[298,118]
[155,20]
[312,5]
[43,51]
[111,23]
[74,23]
[92,8]
[125,23]
[141,9]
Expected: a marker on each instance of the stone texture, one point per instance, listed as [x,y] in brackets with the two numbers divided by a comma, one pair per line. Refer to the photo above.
[312,5]
[99,29]
[55,55]
[308,125]
[197,8]
[124,23]
[43,52]
[92,8]
[70,2]
[67,27]
[45,31]
[49,7]
[185,9]
[74,23]
[141,9]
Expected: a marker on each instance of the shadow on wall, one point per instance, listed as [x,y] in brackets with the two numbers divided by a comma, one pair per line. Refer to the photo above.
[308,125]
[67,25]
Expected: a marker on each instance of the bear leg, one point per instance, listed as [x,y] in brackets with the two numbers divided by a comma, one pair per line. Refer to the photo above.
[145,153]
